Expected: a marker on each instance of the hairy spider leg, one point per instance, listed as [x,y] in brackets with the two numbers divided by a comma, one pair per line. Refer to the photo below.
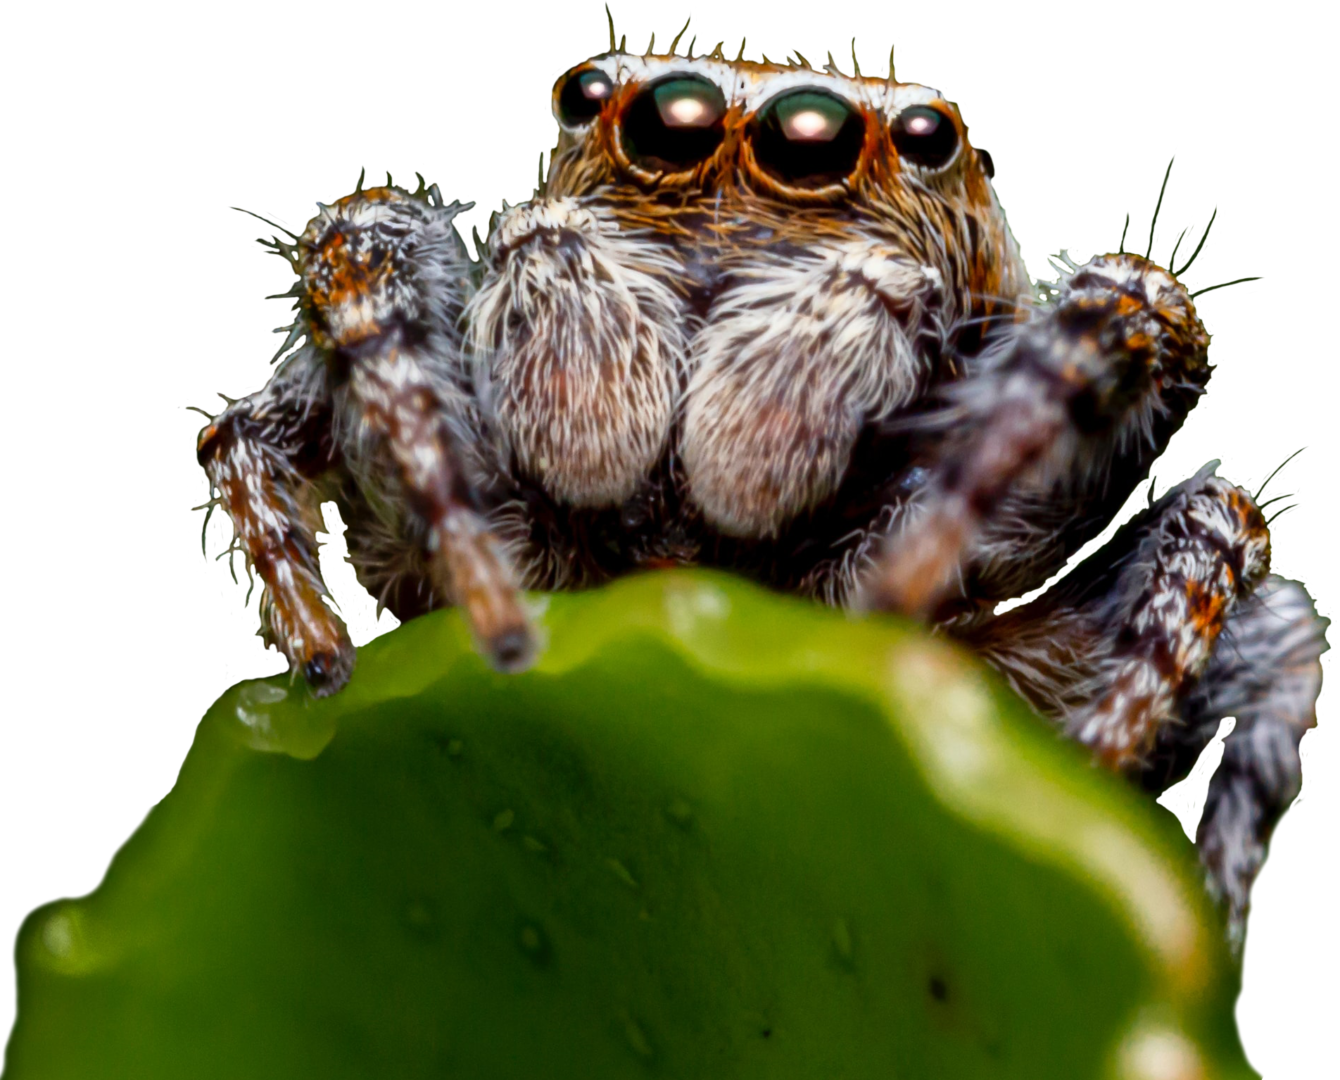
[371,410]
[1265,672]
[1057,422]
[1143,648]
[385,281]
[396,402]
[262,454]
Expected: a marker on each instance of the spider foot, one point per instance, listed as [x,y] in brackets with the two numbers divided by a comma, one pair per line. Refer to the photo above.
[479,581]
[328,671]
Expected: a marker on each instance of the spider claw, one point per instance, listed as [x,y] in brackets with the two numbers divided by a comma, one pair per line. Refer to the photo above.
[512,651]
[328,671]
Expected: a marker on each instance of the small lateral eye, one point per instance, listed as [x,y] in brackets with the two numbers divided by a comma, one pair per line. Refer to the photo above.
[581,96]
[808,138]
[924,136]
[674,124]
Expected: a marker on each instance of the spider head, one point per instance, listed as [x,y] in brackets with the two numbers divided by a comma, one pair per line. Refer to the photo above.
[768,257]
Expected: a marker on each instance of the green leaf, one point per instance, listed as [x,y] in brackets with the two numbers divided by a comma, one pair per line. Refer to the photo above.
[715,833]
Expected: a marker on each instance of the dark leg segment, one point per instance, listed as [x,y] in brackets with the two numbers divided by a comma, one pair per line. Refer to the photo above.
[1266,672]
[1042,443]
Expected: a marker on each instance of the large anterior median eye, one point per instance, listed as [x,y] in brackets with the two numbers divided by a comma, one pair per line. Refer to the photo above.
[924,136]
[580,96]
[674,124]
[808,138]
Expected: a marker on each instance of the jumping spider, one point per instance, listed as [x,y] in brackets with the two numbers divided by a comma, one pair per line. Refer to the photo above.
[771,318]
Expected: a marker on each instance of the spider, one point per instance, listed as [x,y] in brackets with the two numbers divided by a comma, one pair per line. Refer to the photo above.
[770,317]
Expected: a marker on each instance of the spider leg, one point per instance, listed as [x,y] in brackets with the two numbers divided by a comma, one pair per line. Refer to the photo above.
[385,280]
[397,404]
[262,455]
[1265,672]
[1045,438]
[1139,651]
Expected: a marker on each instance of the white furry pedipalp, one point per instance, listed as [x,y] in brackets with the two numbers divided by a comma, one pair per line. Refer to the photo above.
[580,346]
[795,356]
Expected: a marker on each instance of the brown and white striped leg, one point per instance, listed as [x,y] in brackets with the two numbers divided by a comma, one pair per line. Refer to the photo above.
[397,404]
[1207,552]
[261,455]
[1043,442]
[385,282]
[1140,651]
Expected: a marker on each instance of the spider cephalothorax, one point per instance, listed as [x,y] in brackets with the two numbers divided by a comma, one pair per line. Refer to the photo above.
[771,318]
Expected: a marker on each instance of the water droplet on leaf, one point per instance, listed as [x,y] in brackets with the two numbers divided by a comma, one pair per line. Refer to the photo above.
[637,1038]
[534,943]
[680,812]
[58,936]
[622,872]
[842,940]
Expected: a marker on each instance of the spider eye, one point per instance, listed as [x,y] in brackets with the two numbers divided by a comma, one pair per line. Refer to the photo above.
[808,138]
[581,95]
[924,136]
[675,123]
[988,165]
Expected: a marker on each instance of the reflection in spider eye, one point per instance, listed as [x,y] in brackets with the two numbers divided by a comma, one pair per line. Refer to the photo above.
[691,111]
[582,96]
[674,124]
[924,136]
[813,124]
[688,102]
[808,138]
